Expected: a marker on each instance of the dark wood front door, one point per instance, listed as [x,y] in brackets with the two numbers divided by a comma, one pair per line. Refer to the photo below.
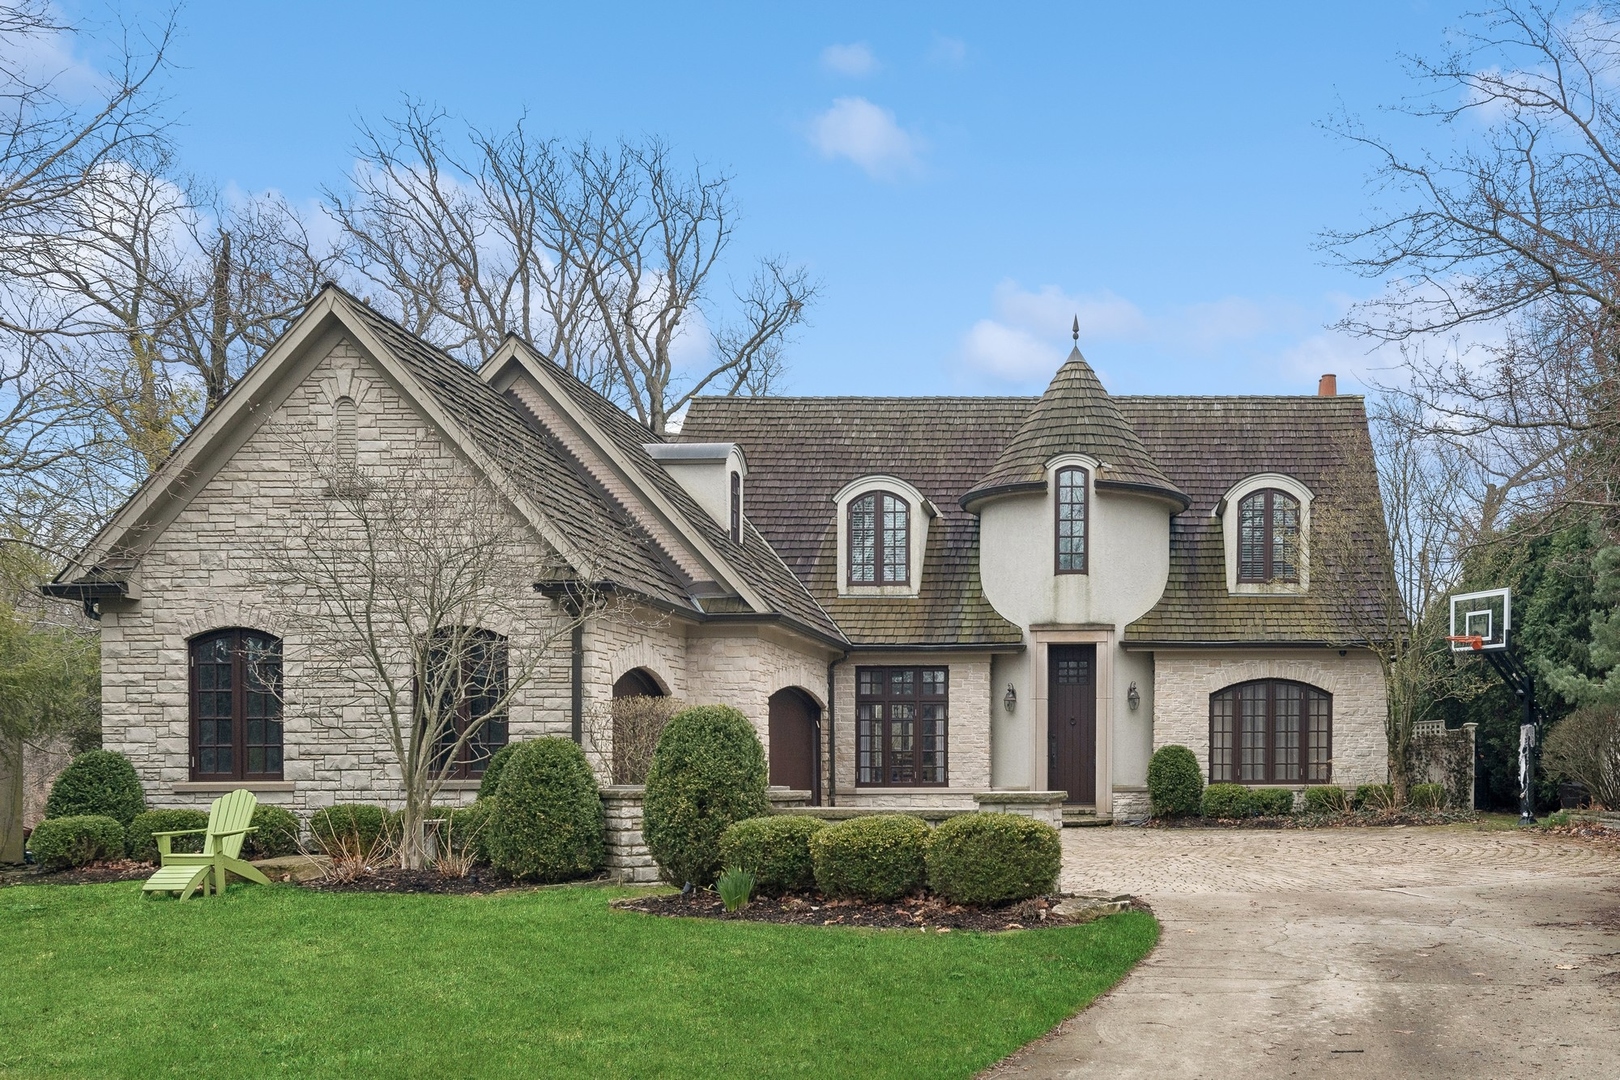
[795,734]
[1071,721]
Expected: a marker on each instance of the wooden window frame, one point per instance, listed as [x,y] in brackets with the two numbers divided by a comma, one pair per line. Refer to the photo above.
[1084,519]
[469,764]
[736,507]
[1268,537]
[880,568]
[881,772]
[1311,769]
[239,690]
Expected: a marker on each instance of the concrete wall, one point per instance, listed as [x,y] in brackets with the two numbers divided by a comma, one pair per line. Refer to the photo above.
[1185,680]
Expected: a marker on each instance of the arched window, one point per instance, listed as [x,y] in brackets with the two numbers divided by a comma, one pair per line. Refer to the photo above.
[1271,732]
[879,540]
[637,682]
[1268,538]
[235,706]
[1071,521]
[345,432]
[469,682]
[736,507]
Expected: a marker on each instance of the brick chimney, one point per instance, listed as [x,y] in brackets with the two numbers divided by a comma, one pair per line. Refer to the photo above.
[1328,386]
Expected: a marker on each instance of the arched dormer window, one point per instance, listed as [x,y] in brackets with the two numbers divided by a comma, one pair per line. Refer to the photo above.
[1268,538]
[1071,520]
[879,539]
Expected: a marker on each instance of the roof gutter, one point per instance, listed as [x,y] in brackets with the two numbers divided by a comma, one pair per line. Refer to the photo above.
[1292,644]
[568,591]
[87,593]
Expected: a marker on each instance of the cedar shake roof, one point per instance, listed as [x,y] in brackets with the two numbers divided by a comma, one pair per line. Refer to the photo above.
[1075,415]
[802,451]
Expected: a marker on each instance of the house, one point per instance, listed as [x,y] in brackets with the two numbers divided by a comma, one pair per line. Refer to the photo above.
[916,601]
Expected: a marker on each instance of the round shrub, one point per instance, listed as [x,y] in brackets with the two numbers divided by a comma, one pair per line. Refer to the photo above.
[58,843]
[993,859]
[1175,782]
[140,846]
[1375,797]
[274,835]
[1327,799]
[882,857]
[707,772]
[1226,801]
[492,771]
[1428,796]
[776,850]
[547,822]
[348,828]
[1271,802]
[97,782]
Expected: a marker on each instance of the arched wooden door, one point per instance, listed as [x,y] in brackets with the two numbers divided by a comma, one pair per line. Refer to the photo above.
[637,682]
[795,734]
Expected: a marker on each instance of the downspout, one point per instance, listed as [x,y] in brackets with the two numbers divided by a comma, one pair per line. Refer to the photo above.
[832,731]
[578,688]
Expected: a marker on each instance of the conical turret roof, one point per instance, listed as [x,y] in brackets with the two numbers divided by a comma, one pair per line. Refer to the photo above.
[1075,416]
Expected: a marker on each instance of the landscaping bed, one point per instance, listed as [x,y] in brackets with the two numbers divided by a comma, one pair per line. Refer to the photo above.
[1353,820]
[911,913]
[95,874]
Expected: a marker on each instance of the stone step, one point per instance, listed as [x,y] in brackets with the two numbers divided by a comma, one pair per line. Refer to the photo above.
[1084,817]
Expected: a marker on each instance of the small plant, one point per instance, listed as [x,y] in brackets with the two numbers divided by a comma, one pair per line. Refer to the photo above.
[348,829]
[777,848]
[1175,782]
[461,841]
[1271,802]
[1375,797]
[1428,796]
[993,859]
[60,843]
[351,857]
[1556,819]
[140,846]
[735,887]
[1327,799]
[882,857]
[97,782]
[1226,801]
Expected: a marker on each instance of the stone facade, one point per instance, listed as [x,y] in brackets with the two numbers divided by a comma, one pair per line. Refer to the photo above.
[1132,804]
[1183,682]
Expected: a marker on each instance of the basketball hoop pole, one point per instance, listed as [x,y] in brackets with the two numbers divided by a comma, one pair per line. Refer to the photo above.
[1518,678]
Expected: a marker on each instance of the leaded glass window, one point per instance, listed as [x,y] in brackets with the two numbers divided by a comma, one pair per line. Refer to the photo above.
[236,731]
[901,720]
[879,540]
[1270,732]
[1071,521]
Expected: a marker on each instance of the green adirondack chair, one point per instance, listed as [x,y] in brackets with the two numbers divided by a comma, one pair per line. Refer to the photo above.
[184,872]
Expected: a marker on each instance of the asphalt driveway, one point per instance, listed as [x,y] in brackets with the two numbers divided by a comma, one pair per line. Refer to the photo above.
[1351,953]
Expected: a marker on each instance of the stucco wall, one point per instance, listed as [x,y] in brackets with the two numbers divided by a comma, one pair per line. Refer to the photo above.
[1185,680]
[967,766]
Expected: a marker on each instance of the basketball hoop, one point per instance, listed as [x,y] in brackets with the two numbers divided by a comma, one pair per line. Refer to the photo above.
[1473,641]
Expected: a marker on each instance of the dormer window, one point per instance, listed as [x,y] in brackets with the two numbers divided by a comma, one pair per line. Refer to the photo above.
[1268,538]
[1071,520]
[736,507]
[879,539]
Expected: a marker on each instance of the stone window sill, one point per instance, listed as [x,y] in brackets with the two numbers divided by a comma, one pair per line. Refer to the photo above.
[189,786]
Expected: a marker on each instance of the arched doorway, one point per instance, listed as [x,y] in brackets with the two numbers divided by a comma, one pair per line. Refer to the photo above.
[795,734]
[637,682]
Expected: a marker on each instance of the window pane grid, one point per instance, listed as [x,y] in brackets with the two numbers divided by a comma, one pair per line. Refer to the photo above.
[1071,521]
[879,540]
[236,727]
[1268,538]
[1271,732]
[901,726]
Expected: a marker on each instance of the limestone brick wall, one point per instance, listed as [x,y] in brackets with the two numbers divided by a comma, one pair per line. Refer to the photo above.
[1132,804]
[201,573]
[967,731]
[628,860]
[743,670]
[1183,682]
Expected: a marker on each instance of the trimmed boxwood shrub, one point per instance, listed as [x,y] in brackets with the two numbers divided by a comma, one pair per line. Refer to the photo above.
[275,833]
[58,843]
[1428,796]
[1271,801]
[97,782]
[1326,799]
[548,814]
[1375,797]
[140,846]
[993,858]
[707,773]
[882,857]
[492,771]
[776,850]
[1175,782]
[1226,801]
[351,828]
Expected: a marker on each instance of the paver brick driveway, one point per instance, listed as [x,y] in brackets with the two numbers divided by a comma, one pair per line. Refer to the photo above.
[1351,953]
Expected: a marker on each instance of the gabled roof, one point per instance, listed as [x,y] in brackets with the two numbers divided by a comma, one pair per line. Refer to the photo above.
[802,451]
[1074,416]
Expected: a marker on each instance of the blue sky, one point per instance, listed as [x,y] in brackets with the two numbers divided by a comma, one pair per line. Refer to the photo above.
[961,178]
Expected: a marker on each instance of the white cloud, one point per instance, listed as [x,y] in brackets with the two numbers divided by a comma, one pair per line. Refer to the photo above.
[1009,353]
[868,135]
[855,59]
[948,51]
[1103,316]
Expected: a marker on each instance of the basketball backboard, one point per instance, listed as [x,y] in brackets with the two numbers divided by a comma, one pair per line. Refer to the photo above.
[1480,621]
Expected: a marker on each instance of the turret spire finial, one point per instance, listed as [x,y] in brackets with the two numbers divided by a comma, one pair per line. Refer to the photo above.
[1077,329]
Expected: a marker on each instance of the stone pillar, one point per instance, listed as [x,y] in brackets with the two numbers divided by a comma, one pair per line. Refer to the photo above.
[782,798]
[628,861]
[1044,806]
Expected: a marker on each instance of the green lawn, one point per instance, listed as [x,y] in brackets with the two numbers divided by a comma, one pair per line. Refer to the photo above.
[97,981]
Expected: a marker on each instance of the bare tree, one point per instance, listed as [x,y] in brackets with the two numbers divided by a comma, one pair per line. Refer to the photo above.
[410,591]
[605,257]
[1517,231]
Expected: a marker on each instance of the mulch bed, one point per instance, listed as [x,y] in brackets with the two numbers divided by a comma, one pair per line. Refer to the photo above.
[94,874]
[908,914]
[1360,819]
[392,879]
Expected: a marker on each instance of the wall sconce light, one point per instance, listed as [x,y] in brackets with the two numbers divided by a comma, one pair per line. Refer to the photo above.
[1133,698]
[1010,701]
